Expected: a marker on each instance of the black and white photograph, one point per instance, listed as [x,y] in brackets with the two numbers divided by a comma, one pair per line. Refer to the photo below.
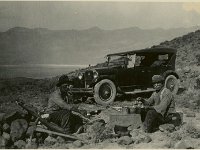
[99,75]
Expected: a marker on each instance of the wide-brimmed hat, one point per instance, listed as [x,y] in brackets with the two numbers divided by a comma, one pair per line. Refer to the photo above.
[62,80]
[157,79]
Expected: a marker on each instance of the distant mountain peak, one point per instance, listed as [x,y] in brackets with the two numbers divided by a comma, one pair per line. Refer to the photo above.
[24,29]
[18,29]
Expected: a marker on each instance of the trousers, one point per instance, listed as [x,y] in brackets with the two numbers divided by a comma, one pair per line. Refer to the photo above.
[65,119]
[151,120]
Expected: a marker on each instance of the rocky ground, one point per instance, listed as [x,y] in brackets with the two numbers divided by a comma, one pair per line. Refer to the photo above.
[100,135]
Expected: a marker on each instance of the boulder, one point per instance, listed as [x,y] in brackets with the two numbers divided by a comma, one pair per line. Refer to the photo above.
[77,144]
[134,133]
[60,139]
[169,144]
[50,140]
[144,138]
[183,145]
[167,128]
[30,131]
[147,139]
[125,140]
[20,144]
[6,136]
[2,142]
[31,144]
[141,138]
[136,141]
[6,127]
[18,129]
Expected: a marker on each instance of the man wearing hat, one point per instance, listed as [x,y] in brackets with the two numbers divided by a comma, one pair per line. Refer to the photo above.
[60,111]
[158,106]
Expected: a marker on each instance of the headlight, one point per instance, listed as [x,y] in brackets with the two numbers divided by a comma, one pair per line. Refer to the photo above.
[80,76]
[95,74]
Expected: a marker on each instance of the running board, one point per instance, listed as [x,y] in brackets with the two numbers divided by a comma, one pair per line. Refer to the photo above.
[139,91]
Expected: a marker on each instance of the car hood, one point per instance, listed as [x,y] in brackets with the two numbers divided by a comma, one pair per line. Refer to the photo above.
[99,69]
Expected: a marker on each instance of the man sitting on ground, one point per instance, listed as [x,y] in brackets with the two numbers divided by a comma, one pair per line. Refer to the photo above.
[60,112]
[158,107]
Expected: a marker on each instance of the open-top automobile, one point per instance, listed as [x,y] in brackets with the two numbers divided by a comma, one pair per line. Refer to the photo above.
[125,73]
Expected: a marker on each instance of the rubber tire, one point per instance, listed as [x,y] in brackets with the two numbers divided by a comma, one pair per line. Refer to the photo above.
[176,84]
[97,87]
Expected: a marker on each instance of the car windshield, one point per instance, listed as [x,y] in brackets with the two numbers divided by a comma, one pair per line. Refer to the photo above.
[118,60]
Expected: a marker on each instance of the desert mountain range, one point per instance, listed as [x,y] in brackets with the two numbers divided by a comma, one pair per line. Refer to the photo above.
[43,46]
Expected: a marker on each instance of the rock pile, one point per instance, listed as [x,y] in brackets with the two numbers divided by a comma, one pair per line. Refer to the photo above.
[14,130]
[136,136]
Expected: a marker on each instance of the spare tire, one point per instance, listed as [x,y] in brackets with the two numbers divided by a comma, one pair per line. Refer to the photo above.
[105,92]
[172,83]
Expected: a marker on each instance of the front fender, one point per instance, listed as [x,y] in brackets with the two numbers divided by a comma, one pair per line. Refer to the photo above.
[110,77]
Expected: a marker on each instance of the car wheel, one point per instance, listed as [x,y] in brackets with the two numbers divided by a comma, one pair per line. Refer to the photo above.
[105,92]
[172,83]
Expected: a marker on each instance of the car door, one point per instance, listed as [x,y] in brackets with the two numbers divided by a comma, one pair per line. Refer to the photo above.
[134,75]
[125,76]
[141,76]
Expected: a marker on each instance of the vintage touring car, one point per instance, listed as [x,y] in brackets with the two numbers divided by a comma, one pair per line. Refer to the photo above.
[125,73]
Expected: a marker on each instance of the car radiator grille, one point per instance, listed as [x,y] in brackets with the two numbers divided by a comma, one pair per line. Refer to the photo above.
[88,77]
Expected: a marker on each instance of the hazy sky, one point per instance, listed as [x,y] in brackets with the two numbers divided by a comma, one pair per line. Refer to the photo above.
[106,15]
